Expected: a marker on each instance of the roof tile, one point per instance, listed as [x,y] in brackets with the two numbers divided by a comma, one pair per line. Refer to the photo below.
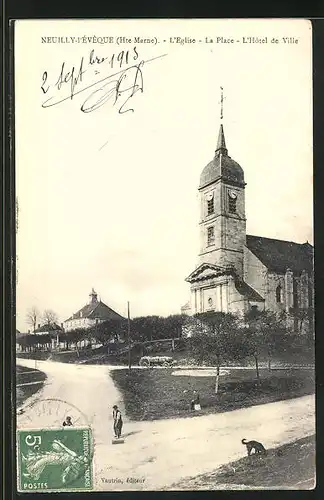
[96,310]
[48,327]
[280,255]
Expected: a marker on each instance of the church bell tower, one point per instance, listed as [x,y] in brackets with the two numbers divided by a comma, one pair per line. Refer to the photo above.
[222,209]
[217,282]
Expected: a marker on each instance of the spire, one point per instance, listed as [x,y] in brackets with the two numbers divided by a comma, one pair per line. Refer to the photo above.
[221,144]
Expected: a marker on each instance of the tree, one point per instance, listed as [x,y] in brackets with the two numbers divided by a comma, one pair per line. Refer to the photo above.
[271,328]
[76,336]
[254,342]
[298,347]
[149,327]
[209,342]
[49,317]
[303,316]
[262,331]
[67,338]
[32,316]
[44,340]
[173,325]
[104,332]
[32,342]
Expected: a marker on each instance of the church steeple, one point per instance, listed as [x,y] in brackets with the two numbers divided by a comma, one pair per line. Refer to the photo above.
[222,208]
[221,144]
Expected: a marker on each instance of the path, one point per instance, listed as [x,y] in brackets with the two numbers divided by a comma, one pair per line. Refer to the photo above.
[157,454]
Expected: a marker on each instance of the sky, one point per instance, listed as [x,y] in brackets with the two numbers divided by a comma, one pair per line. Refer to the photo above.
[110,200]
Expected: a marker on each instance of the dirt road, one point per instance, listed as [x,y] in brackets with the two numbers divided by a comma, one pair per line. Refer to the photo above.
[159,453]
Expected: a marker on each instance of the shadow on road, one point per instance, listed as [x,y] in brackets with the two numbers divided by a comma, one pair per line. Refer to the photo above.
[131,433]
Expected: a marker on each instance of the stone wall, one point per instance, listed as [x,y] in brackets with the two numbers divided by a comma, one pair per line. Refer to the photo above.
[229,229]
[217,294]
[255,273]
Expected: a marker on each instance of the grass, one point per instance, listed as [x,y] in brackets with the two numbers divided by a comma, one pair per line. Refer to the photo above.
[87,355]
[289,466]
[24,376]
[151,394]
[182,356]
[38,355]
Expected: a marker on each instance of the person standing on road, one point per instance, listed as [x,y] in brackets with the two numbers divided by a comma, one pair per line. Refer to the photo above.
[118,421]
[67,422]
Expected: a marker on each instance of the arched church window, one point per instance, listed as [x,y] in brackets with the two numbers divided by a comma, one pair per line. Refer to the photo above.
[279,293]
[210,204]
[232,197]
[210,235]
[295,293]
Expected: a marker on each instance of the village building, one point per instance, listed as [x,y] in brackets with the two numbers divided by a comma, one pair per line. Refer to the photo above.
[237,271]
[91,314]
[48,328]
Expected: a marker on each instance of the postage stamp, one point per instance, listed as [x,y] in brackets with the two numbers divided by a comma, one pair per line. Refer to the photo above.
[54,459]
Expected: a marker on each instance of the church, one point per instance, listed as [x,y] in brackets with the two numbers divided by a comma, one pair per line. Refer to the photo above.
[237,272]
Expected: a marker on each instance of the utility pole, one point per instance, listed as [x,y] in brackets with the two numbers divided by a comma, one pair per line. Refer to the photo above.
[129,341]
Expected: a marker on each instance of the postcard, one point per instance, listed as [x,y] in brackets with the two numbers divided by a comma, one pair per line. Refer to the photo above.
[165,283]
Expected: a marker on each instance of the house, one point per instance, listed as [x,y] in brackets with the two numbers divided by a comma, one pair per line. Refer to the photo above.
[91,314]
[48,328]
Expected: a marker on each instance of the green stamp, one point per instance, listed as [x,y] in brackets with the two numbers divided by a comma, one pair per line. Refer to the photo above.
[55,459]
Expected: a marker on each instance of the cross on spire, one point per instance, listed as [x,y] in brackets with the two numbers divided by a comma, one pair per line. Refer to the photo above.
[222,103]
[221,144]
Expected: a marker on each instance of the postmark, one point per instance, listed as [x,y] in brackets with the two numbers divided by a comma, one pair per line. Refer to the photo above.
[55,459]
[50,412]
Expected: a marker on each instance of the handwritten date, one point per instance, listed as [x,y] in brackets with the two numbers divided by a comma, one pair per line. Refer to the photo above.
[119,87]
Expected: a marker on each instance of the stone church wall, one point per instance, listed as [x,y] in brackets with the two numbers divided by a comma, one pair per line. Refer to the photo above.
[255,273]
[273,281]
[237,302]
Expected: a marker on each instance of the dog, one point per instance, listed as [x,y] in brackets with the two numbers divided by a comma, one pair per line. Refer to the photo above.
[258,448]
